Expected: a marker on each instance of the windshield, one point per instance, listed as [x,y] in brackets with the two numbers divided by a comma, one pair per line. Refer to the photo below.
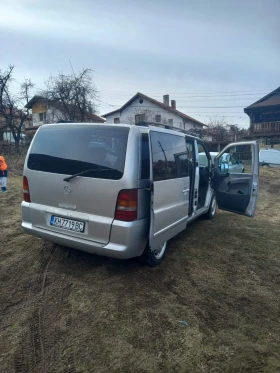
[74,149]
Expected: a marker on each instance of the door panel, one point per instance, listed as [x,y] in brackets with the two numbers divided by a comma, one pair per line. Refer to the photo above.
[171,186]
[171,202]
[235,191]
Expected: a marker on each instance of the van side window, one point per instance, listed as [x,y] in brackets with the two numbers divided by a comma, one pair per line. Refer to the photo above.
[168,152]
[145,157]
[203,160]
[185,161]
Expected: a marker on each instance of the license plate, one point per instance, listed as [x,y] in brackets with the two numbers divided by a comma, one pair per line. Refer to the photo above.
[68,224]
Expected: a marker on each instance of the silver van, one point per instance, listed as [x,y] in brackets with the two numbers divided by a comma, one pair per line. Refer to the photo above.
[123,191]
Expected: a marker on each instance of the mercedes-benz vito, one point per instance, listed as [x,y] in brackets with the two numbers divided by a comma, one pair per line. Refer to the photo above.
[123,190]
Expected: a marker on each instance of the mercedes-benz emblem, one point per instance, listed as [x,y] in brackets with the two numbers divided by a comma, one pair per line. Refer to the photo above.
[67,189]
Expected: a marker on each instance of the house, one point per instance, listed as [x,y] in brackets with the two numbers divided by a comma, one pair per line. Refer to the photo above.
[17,115]
[5,130]
[264,117]
[46,111]
[141,107]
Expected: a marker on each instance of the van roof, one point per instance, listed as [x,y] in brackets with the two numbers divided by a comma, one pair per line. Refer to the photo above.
[160,126]
[86,124]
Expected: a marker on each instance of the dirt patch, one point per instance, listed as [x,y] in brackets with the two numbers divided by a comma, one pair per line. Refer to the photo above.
[66,311]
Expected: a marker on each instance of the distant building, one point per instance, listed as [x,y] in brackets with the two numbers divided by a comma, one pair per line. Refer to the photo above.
[264,117]
[44,111]
[5,131]
[141,107]
[17,115]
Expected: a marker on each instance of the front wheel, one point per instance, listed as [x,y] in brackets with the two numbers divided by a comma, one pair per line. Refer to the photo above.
[212,208]
[153,257]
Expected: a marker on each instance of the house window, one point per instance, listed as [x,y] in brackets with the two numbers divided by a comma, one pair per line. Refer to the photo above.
[158,118]
[42,117]
[116,120]
[170,122]
[139,118]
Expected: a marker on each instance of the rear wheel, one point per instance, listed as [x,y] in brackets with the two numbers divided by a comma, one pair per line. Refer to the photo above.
[153,257]
[212,208]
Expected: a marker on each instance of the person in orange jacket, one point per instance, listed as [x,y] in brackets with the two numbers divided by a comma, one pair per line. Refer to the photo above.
[3,174]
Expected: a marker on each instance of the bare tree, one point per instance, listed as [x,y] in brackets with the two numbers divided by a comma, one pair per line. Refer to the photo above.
[72,97]
[221,130]
[12,111]
[218,128]
[5,78]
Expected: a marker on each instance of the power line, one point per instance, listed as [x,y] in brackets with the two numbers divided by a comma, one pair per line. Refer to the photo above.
[104,102]
[195,93]
[187,107]
[245,95]
[199,101]
[192,112]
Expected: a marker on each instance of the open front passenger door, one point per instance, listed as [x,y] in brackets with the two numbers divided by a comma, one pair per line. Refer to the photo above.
[237,191]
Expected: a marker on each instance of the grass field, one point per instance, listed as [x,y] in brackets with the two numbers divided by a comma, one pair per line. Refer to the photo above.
[66,311]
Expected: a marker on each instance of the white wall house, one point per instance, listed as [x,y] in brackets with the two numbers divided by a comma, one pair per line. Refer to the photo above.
[141,107]
[44,111]
[50,115]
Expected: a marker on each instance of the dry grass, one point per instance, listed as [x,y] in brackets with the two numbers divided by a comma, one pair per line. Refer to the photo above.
[66,311]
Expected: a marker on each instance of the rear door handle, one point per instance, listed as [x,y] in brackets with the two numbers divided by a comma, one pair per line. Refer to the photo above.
[185,191]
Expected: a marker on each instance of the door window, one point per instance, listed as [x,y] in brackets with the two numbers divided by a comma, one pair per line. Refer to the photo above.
[170,157]
[183,164]
[203,160]
[185,160]
[233,160]
[237,158]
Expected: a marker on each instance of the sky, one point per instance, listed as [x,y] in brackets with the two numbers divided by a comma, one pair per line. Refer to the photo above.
[214,57]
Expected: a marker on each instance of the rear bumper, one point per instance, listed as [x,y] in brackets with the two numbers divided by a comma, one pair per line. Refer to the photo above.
[127,239]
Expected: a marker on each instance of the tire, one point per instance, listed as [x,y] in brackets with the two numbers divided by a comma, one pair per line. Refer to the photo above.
[153,258]
[212,208]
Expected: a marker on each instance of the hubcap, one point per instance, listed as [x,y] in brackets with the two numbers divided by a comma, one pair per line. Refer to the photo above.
[160,251]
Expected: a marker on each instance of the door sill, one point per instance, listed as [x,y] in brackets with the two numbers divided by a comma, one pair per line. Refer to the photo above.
[198,213]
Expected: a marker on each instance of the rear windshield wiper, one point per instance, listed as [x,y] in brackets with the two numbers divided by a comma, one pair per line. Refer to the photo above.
[90,170]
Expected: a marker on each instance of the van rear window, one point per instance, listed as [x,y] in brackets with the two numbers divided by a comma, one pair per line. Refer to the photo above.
[71,149]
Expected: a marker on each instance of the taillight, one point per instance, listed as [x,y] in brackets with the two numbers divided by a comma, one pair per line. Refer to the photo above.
[26,194]
[126,209]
